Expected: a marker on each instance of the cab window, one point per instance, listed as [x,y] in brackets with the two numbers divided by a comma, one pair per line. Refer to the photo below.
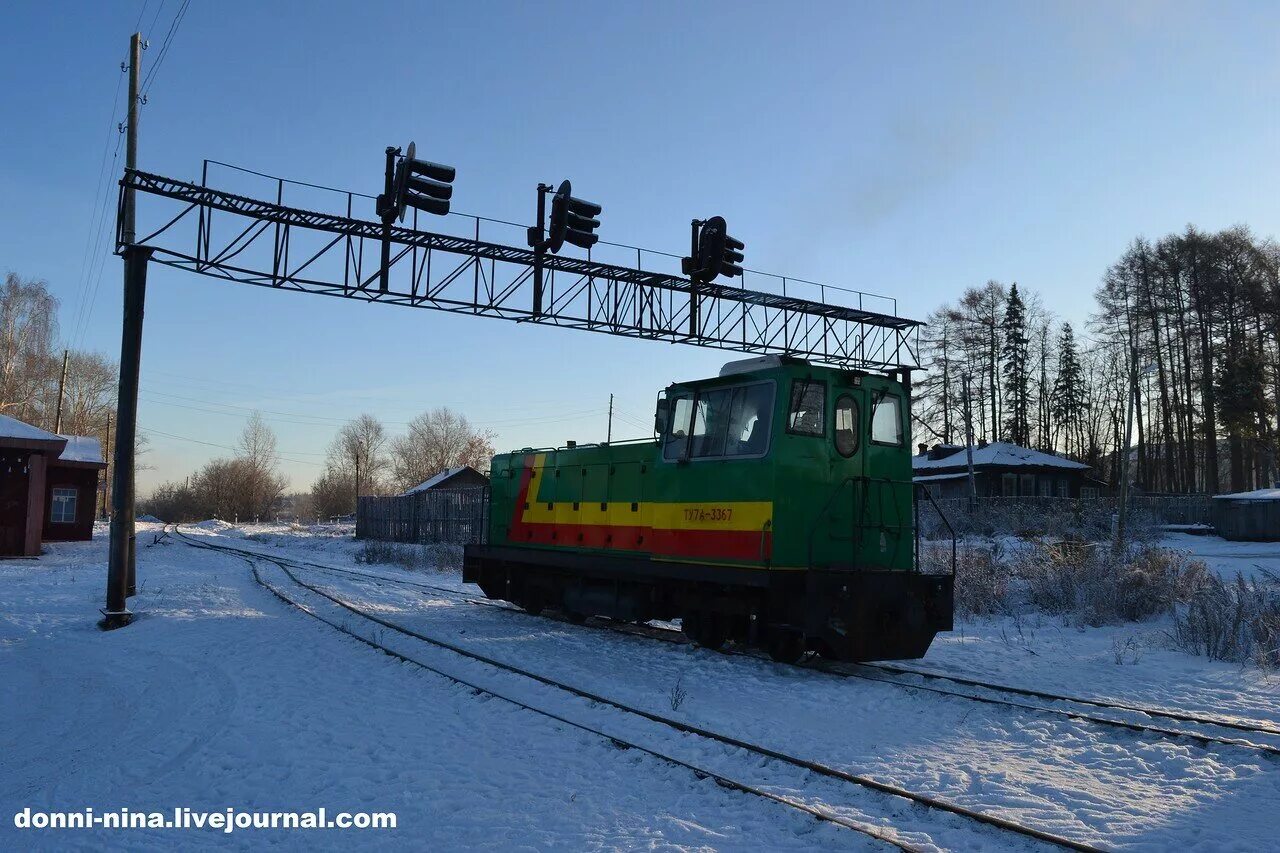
[886,421]
[721,423]
[679,425]
[846,432]
[807,412]
[732,421]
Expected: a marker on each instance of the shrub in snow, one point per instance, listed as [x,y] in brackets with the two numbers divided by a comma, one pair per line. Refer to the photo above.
[982,578]
[1227,621]
[428,555]
[1095,585]
[678,694]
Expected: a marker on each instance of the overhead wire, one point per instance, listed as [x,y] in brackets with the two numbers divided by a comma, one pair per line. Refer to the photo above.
[277,454]
[164,48]
[97,218]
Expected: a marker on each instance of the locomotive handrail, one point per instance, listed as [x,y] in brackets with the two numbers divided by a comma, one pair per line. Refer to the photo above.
[950,530]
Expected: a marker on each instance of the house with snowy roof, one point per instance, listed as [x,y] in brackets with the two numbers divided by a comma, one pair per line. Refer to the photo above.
[1001,469]
[461,477]
[48,487]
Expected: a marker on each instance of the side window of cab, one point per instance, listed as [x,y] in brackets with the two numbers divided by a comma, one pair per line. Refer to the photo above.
[846,425]
[886,420]
[806,415]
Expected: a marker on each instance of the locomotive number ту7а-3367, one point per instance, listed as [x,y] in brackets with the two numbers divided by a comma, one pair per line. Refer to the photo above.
[774,508]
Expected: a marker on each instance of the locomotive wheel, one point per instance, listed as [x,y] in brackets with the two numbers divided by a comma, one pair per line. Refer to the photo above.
[786,645]
[689,625]
[706,628]
[531,601]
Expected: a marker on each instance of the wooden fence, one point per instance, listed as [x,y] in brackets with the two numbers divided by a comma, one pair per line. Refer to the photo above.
[453,516]
[1089,517]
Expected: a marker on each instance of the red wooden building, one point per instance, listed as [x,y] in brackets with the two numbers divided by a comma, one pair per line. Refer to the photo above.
[48,487]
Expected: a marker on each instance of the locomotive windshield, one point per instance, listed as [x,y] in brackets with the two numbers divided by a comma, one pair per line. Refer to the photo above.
[720,423]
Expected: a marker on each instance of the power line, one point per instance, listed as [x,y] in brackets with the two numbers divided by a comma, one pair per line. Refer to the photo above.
[277,455]
[97,218]
[164,48]
[324,420]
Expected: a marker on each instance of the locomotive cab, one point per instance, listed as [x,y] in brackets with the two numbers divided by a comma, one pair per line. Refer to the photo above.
[774,506]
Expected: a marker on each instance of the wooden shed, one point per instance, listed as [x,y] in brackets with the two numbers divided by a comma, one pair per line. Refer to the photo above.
[48,487]
[1248,516]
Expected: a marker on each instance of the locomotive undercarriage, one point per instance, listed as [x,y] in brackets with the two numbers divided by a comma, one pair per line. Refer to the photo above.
[844,614]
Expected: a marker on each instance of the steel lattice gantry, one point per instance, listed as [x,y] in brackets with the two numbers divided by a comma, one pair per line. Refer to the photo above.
[252,241]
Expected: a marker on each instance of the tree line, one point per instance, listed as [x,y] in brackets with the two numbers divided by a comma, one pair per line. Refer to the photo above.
[1191,322]
[362,459]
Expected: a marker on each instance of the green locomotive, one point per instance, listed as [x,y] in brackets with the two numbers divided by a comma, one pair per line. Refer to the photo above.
[775,508]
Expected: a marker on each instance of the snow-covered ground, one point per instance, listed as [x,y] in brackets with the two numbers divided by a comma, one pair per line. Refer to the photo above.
[221,696]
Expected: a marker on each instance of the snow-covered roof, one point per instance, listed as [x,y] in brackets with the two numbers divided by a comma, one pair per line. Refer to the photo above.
[934,478]
[436,480]
[81,448]
[998,453]
[14,428]
[1255,495]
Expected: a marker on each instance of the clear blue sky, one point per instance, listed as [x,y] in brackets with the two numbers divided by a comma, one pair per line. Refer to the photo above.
[903,148]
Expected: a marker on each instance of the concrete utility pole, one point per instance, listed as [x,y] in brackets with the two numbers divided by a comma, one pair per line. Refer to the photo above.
[609,433]
[106,455]
[121,574]
[62,387]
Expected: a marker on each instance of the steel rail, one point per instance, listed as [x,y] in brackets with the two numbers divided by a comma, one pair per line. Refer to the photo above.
[767,752]
[622,743]
[675,636]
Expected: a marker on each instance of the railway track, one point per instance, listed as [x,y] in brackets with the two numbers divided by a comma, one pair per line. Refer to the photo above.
[890,835]
[859,671]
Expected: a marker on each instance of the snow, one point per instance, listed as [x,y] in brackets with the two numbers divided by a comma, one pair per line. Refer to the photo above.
[14,428]
[997,453]
[1255,495]
[81,448]
[219,695]
[1253,560]
[934,478]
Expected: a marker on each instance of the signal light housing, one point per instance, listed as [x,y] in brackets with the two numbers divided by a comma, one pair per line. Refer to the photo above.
[420,184]
[714,253]
[573,220]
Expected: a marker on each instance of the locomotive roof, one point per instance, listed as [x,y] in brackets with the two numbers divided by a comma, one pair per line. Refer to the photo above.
[765,365]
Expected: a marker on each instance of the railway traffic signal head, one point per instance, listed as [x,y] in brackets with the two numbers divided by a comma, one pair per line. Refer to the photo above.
[573,220]
[715,252]
[421,184]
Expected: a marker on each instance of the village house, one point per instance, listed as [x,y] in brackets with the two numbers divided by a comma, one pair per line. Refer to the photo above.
[48,487]
[1001,469]
[461,477]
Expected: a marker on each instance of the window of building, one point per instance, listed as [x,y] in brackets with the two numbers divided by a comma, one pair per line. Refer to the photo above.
[1062,488]
[1009,485]
[724,422]
[1045,487]
[886,420]
[807,413]
[1089,492]
[64,506]
[846,425]
[1028,485]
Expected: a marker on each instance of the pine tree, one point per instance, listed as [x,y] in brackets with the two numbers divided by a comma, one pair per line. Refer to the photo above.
[1068,390]
[1017,370]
